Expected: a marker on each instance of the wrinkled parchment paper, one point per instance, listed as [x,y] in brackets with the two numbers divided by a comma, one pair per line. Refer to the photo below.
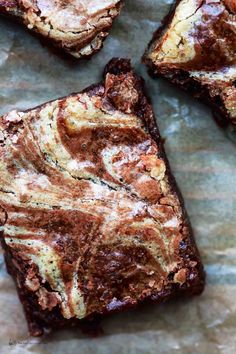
[203,160]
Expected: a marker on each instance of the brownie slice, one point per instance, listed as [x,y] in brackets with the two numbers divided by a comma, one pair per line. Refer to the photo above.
[77,27]
[195,48]
[92,220]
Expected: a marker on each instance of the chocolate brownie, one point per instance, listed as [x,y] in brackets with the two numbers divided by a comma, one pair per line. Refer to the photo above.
[195,48]
[92,220]
[77,27]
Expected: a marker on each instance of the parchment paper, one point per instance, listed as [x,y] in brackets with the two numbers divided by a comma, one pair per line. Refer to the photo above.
[203,160]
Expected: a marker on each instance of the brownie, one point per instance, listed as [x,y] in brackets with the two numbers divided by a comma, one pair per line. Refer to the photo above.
[195,48]
[92,219]
[76,27]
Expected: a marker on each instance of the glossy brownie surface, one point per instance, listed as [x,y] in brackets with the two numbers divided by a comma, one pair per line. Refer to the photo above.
[196,49]
[77,27]
[92,220]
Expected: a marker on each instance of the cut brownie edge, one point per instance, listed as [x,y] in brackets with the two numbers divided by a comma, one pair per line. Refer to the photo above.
[122,95]
[182,80]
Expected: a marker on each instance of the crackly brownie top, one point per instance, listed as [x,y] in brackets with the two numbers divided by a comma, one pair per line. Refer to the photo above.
[79,26]
[89,214]
[200,38]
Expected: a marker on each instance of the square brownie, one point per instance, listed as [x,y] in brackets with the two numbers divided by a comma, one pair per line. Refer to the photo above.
[92,219]
[195,48]
[76,27]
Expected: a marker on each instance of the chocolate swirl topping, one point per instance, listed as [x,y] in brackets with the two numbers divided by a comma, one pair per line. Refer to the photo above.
[92,214]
